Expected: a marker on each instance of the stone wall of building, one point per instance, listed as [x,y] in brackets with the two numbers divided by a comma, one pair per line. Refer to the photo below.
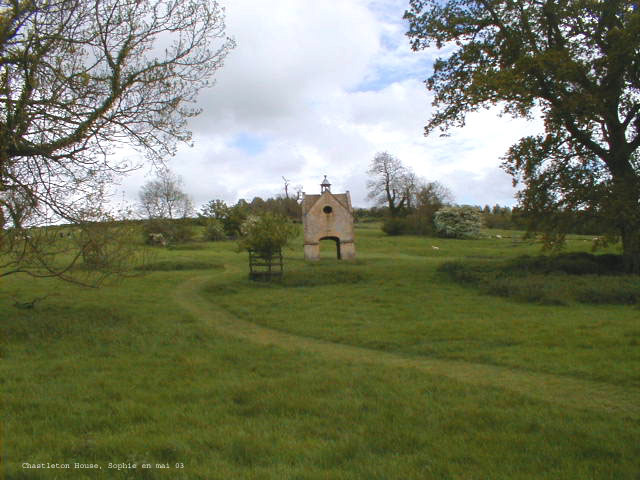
[328,216]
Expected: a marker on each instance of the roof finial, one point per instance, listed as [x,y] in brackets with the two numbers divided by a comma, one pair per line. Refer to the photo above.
[325,186]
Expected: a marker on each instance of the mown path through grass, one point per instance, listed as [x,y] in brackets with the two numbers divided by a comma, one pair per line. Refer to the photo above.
[563,390]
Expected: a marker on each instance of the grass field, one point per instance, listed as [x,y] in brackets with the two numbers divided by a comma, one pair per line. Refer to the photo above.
[382,368]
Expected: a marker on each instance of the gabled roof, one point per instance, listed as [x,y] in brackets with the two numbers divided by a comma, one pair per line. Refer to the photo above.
[310,200]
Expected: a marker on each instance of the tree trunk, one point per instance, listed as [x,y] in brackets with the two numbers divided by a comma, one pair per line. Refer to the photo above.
[631,249]
[626,210]
[391,202]
[624,206]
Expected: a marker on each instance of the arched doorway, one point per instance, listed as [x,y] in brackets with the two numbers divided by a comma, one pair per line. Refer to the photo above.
[337,241]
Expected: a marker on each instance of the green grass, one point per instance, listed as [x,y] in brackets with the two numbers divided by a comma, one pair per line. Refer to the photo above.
[402,304]
[127,374]
[172,265]
[557,279]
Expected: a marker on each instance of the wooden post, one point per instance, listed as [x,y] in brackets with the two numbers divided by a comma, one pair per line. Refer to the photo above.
[261,266]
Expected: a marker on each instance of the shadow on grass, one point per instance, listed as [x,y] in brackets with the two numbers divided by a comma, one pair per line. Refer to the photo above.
[298,276]
[188,246]
[552,280]
[175,265]
[323,274]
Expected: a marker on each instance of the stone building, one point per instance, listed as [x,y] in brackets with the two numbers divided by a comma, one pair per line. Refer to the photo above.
[328,216]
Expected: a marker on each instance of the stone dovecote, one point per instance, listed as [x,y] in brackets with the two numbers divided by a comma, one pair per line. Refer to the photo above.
[328,216]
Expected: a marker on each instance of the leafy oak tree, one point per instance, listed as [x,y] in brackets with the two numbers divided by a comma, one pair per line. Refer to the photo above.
[79,78]
[575,62]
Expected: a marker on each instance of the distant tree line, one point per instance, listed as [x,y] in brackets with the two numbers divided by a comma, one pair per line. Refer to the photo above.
[169,216]
[497,217]
[411,205]
[225,221]
[407,204]
[579,222]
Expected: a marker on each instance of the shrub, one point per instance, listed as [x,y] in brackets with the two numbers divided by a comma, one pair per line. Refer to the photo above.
[532,288]
[182,232]
[575,263]
[458,222]
[414,223]
[394,226]
[173,231]
[556,280]
[610,263]
[420,223]
[95,254]
[107,246]
[580,264]
[266,234]
[234,219]
[176,265]
[214,230]
[615,291]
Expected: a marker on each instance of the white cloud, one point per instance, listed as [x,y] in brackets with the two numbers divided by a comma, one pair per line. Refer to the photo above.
[290,53]
[317,88]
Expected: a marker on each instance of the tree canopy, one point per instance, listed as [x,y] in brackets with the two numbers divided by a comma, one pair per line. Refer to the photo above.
[164,197]
[78,78]
[458,222]
[267,233]
[574,62]
[391,183]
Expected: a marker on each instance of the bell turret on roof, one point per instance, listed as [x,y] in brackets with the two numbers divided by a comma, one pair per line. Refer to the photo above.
[325,186]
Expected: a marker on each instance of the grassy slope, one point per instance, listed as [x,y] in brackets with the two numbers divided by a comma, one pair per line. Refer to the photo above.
[124,374]
[400,303]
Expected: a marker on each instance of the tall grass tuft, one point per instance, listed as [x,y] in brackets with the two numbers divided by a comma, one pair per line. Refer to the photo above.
[175,265]
[552,280]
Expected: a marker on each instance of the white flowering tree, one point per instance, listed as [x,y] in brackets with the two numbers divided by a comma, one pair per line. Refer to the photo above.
[458,222]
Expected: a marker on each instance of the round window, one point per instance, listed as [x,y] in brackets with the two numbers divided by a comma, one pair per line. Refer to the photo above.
[327,209]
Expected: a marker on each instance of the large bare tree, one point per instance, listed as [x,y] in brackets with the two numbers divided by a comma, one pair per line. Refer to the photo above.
[165,197]
[391,183]
[78,78]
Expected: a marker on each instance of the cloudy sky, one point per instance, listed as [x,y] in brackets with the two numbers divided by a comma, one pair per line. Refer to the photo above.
[316,88]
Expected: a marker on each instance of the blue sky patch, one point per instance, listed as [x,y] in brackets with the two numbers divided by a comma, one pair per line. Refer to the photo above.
[382,77]
[249,143]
